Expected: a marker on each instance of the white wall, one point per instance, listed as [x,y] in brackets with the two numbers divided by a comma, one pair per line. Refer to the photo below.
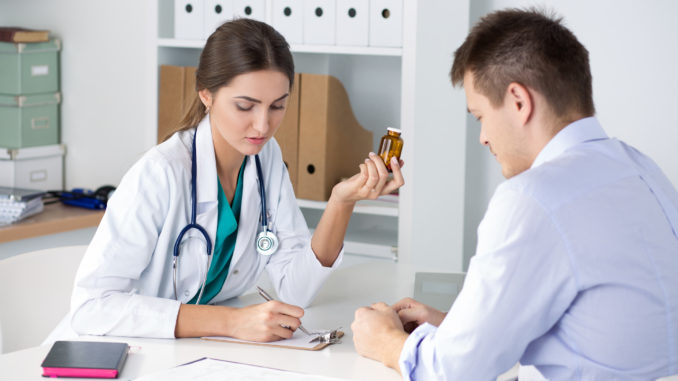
[633,51]
[431,223]
[107,121]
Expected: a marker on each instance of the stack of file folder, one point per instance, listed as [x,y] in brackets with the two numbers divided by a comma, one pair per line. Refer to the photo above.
[17,203]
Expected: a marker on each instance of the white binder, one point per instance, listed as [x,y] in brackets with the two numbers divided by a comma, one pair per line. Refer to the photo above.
[288,20]
[352,22]
[188,19]
[216,13]
[319,22]
[386,23]
[252,9]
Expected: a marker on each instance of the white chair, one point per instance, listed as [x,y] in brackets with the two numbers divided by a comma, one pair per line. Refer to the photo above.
[35,294]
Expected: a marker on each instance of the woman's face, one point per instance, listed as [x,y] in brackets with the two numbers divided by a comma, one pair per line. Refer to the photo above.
[247,113]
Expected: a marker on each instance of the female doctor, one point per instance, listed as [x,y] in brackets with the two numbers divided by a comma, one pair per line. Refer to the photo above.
[153,271]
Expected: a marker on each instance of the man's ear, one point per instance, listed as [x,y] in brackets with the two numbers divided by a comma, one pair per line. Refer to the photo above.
[520,102]
[205,97]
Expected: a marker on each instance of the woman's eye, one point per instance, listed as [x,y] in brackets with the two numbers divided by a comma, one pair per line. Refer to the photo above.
[243,108]
[277,107]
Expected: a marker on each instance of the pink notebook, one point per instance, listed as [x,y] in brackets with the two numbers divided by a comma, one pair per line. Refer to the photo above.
[86,359]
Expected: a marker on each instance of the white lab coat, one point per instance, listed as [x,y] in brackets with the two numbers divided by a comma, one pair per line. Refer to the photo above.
[124,284]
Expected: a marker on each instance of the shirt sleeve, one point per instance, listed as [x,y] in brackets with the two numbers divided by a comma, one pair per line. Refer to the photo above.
[105,300]
[294,270]
[518,285]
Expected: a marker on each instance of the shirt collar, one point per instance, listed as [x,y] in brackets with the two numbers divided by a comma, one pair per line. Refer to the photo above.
[581,131]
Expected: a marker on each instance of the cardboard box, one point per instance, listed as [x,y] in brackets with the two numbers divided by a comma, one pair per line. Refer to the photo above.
[29,120]
[175,95]
[33,168]
[332,143]
[352,22]
[251,9]
[217,12]
[189,19]
[288,19]
[386,23]
[288,133]
[319,22]
[31,68]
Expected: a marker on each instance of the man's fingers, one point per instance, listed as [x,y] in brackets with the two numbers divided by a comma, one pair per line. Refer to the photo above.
[404,303]
[380,306]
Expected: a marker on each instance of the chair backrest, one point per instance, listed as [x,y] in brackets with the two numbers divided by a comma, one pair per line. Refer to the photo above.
[36,290]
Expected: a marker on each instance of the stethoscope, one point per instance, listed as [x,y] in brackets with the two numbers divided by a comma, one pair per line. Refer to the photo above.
[266,242]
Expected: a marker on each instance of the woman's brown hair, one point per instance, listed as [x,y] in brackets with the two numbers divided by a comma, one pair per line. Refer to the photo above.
[237,47]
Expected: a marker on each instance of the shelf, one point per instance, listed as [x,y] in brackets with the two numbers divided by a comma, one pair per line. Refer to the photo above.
[370,239]
[371,250]
[376,207]
[319,49]
[175,43]
[350,50]
[55,218]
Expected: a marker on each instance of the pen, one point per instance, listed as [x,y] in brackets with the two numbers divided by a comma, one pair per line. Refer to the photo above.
[266,296]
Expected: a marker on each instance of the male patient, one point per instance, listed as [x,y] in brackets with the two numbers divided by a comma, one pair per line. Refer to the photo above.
[576,269]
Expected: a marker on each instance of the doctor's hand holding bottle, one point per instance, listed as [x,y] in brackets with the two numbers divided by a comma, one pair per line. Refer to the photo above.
[372,181]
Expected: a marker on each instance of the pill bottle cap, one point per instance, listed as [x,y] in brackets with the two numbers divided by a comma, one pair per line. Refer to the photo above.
[396,130]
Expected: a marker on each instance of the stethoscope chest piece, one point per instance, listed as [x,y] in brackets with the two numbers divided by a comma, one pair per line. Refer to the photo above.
[267,242]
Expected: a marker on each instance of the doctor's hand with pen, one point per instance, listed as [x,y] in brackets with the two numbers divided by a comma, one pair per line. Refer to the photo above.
[269,321]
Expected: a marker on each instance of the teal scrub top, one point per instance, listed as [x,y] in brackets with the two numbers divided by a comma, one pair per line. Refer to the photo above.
[227,232]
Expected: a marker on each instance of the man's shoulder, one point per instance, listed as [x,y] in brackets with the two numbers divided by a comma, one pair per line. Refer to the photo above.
[571,175]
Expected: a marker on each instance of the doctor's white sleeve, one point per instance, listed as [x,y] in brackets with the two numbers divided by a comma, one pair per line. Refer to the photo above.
[294,270]
[105,299]
[517,287]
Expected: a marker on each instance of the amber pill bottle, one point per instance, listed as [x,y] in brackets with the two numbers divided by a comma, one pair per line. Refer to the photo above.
[391,146]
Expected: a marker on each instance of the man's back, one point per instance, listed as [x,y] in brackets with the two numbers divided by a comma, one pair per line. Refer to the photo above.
[612,207]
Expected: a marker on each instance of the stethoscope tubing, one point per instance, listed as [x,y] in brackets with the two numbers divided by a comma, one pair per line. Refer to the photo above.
[194,225]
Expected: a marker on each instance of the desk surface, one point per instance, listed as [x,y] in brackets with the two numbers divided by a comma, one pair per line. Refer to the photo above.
[55,218]
[345,290]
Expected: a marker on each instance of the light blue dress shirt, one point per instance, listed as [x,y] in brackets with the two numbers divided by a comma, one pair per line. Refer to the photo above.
[576,272]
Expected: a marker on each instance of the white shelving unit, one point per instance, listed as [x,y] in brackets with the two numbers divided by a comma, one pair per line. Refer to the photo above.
[403,87]
[373,231]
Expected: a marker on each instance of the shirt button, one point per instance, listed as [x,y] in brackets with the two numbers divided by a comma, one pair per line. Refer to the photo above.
[235,272]
[186,293]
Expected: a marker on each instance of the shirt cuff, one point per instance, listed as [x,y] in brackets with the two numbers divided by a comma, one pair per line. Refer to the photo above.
[409,357]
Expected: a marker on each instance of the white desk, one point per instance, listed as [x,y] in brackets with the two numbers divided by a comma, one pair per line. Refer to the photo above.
[346,290]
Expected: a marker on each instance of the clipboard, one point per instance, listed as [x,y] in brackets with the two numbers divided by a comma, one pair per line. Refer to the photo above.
[299,340]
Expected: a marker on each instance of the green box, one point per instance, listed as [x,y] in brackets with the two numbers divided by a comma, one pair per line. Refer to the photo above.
[30,68]
[29,120]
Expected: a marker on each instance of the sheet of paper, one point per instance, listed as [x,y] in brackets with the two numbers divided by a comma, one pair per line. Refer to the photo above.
[298,340]
[208,369]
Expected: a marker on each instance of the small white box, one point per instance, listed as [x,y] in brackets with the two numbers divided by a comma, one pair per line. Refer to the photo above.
[251,9]
[352,22]
[217,12]
[319,22]
[188,19]
[39,167]
[386,23]
[288,20]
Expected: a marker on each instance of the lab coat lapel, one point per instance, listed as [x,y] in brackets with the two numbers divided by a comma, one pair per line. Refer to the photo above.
[207,206]
[249,211]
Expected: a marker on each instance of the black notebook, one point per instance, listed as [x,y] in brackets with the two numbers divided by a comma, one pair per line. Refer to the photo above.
[87,359]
